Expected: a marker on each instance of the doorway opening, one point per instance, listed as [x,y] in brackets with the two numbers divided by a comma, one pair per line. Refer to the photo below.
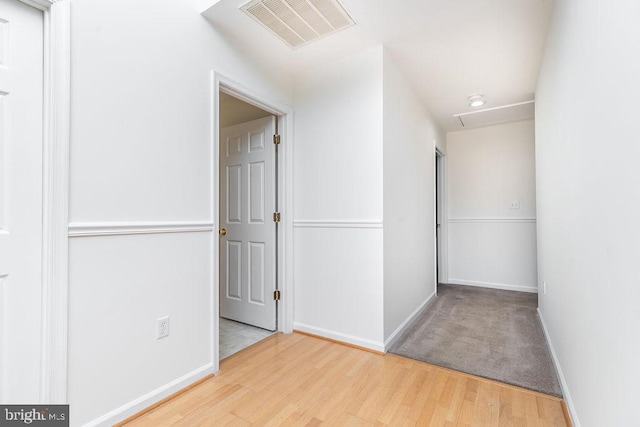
[270,282]
[247,207]
[441,275]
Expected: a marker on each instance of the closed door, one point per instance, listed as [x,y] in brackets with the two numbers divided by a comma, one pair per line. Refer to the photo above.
[21,89]
[248,231]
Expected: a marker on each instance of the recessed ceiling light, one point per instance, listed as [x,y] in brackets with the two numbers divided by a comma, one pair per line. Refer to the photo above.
[476,100]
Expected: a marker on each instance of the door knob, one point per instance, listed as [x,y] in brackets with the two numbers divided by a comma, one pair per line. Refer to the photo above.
[223,232]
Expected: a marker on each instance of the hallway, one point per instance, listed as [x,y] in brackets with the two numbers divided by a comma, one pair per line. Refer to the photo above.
[492,333]
[113,231]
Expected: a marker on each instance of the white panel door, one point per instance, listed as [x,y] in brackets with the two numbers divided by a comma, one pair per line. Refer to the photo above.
[21,88]
[247,204]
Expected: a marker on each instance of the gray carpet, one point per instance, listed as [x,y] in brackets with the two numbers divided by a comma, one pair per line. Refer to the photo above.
[486,332]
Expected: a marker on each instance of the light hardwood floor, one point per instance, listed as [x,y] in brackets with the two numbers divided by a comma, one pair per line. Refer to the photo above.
[300,380]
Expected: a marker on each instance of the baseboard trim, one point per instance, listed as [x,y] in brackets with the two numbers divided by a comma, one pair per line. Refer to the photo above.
[408,321]
[339,337]
[163,401]
[491,285]
[153,399]
[570,411]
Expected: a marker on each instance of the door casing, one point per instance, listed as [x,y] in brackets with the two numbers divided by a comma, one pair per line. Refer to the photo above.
[284,115]
[442,275]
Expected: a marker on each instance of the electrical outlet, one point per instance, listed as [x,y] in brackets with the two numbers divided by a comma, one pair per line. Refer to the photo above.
[544,287]
[514,204]
[163,327]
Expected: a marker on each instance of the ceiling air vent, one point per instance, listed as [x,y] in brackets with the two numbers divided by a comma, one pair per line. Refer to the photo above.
[298,22]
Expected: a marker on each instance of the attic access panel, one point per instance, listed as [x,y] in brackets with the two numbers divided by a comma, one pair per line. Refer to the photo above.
[503,114]
[299,22]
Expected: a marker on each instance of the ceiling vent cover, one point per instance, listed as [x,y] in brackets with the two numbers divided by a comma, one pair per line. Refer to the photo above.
[298,22]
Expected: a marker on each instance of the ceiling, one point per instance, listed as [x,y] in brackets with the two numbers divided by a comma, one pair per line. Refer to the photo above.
[448,49]
[234,111]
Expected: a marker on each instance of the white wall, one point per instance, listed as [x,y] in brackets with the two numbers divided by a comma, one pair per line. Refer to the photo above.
[134,280]
[141,152]
[588,179]
[491,244]
[409,161]
[338,269]
[364,150]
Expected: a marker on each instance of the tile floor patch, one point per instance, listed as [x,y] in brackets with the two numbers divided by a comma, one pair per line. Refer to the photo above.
[236,336]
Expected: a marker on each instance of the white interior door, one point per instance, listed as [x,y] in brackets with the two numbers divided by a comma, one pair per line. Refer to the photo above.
[21,89]
[247,204]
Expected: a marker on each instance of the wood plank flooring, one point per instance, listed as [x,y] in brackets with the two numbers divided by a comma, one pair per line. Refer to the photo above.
[300,380]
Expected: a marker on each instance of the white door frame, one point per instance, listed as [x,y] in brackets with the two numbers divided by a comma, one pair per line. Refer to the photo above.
[441,203]
[55,150]
[285,201]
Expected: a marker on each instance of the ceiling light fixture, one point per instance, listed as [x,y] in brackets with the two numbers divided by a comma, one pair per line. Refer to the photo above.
[476,100]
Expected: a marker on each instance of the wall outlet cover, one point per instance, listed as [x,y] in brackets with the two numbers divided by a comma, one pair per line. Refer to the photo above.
[162,329]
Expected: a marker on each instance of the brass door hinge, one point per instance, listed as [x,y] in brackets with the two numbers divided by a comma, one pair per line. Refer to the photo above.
[276,295]
[276,139]
[276,217]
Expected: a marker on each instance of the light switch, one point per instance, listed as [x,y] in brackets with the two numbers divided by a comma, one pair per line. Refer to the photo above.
[514,205]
